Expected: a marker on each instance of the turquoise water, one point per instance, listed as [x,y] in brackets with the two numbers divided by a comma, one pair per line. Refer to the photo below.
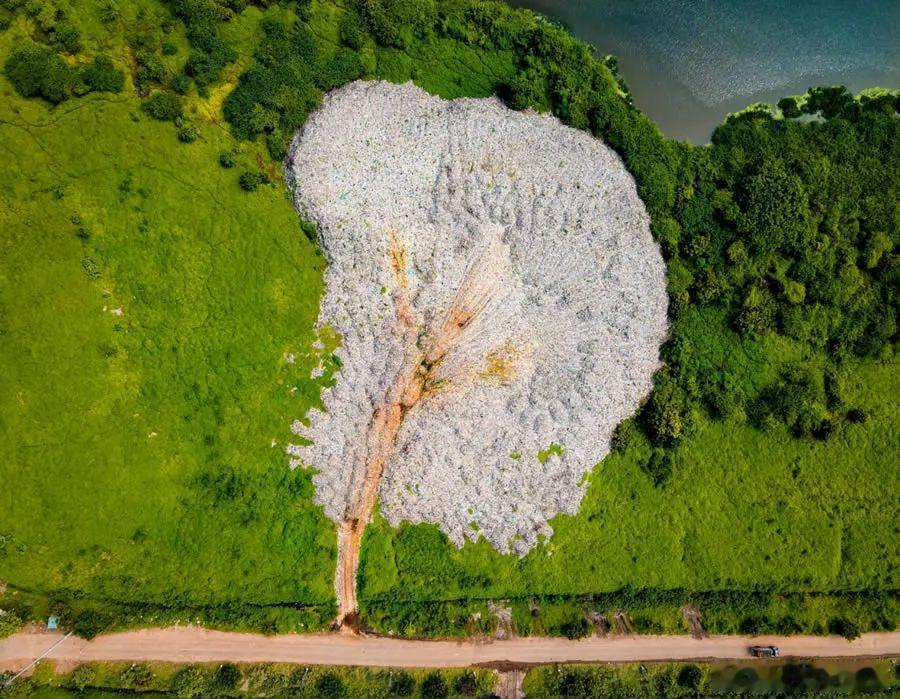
[689,63]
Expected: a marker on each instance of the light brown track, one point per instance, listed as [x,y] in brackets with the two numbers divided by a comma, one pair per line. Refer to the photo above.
[386,420]
[196,645]
[413,382]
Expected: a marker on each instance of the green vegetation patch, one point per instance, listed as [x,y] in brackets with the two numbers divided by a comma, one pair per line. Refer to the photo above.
[147,307]
[229,680]
[841,678]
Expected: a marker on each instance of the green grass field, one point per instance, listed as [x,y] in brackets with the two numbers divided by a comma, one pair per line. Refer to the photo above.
[147,307]
[744,510]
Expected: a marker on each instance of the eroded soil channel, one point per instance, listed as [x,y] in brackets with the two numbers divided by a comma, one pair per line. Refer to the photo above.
[425,350]
[500,303]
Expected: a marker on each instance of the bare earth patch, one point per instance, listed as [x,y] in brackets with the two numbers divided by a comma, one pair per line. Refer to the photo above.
[501,303]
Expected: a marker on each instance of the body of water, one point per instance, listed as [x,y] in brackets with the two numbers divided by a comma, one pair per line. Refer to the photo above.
[691,62]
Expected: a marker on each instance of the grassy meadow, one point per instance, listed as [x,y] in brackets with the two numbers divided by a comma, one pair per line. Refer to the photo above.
[149,304]
[744,510]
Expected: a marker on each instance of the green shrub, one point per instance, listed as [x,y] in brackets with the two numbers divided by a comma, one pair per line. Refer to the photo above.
[163,106]
[188,134]
[277,144]
[689,677]
[91,622]
[666,413]
[150,70]
[527,89]
[39,72]
[401,684]
[842,626]
[205,66]
[797,399]
[226,677]
[775,208]
[830,102]
[9,623]
[351,32]
[66,37]
[251,180]
[227,159]
[396,22]
[757,314]
[434,687]
[659,466]
[209,52]
[466,684]
[102,76]
[109,12]
[624,435]
[342,67]
[279,91]
[330,686]
[83,677]
[709,286]
[189,682]
[136,676]
[180,84]
[789,107]
[575,628]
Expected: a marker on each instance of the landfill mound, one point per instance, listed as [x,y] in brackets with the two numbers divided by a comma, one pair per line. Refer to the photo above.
[501,304]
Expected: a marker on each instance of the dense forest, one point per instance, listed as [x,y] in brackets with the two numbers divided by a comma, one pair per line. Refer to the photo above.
[781,241]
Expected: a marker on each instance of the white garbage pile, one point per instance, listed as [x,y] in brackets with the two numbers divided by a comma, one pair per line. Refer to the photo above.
[540,228]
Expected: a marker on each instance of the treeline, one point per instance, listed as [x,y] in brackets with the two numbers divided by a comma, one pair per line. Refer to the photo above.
[556,71]
[53,23]
[791,229]
[209,52]
[40,72]
[751,612]
[787,228]
[650,681]
[274,97]
[231,680]
[88,617]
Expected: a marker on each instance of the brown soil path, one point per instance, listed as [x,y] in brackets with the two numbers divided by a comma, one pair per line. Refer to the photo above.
[422,355]
[196,645]
[387,418]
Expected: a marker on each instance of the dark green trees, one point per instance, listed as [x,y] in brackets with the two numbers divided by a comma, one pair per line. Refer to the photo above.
[40,72]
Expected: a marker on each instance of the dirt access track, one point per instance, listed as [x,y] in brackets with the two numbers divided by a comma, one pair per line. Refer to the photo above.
[196,645]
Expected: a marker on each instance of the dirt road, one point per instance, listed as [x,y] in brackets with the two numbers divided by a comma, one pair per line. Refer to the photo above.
[189,644]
